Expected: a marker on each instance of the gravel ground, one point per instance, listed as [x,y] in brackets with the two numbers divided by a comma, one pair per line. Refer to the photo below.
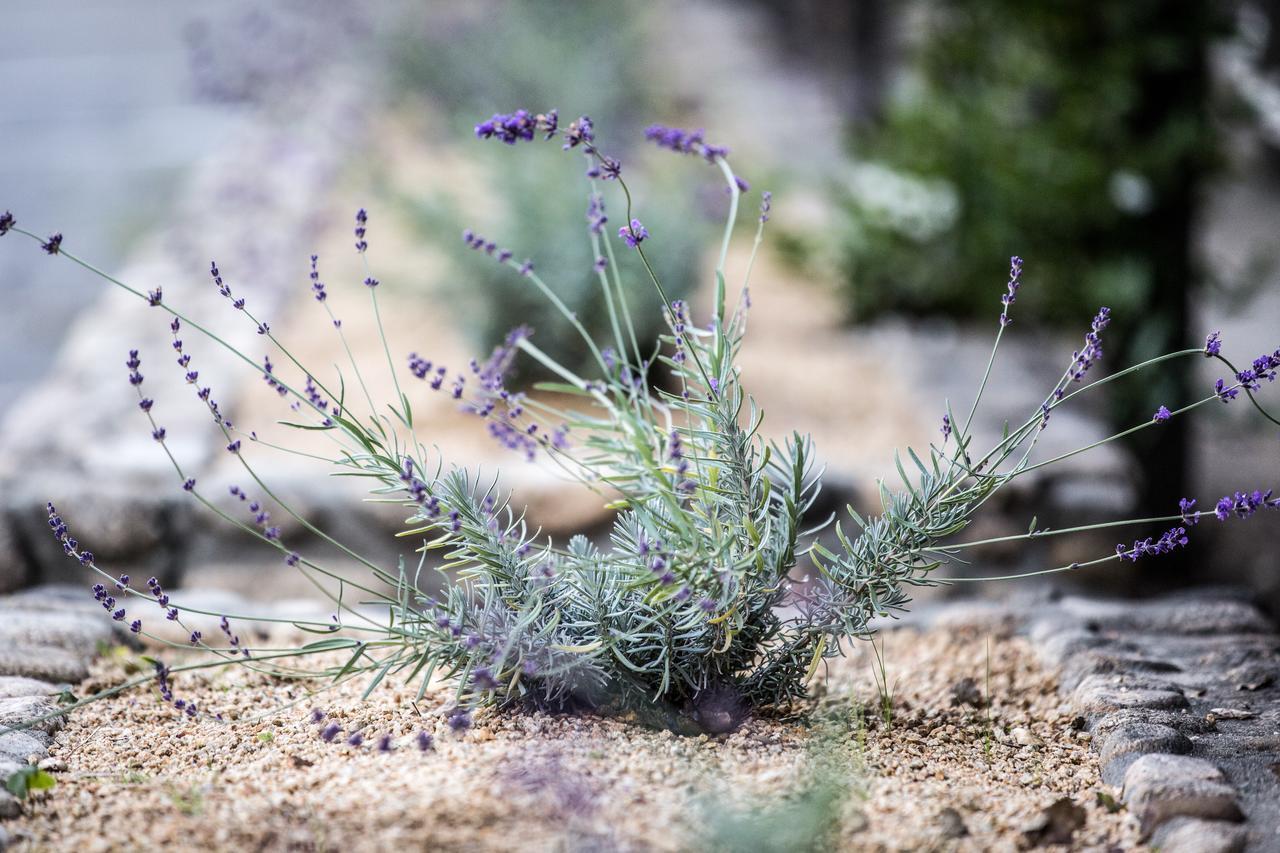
[942,776]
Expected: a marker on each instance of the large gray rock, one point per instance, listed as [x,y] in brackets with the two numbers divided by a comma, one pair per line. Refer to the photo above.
[1173,615]
[1158,788]
[1194,835]
[21,744]
[15,712]
[1102,694]
[1126,743]
[47,663]
[15,686]
[70,631]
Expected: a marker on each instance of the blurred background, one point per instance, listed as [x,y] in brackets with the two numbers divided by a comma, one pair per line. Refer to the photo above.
[1130,154]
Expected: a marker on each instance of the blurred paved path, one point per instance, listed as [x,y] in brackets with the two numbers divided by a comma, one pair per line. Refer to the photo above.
[98,121]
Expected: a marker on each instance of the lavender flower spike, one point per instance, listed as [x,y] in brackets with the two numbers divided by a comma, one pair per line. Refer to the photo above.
[1015,281]
[635,234]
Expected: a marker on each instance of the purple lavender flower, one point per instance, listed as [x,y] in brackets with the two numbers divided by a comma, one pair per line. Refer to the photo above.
[1243,505]
[766,205]
[683,141]
[1081,361]
[425,742]
[329,732]
[195,638]
[1213,344]
[1187,506]
[483,679]
[317,286]
[1225,394]
[384,744]
[234,447]
[459,719]
[217,280]
[1011,294]
[634,234]
[596,217]
[370,282]
[53,245]
[362,220]
[1171,540]
[946,428]
[145,404]
[154,296]
[580,132]
[1162,414]
[158,433]
[6,222]
[610,169]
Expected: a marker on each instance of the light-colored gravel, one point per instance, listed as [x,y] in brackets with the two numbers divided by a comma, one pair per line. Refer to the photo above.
[133,775]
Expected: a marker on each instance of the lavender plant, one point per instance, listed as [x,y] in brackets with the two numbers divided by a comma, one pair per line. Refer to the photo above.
[689,616]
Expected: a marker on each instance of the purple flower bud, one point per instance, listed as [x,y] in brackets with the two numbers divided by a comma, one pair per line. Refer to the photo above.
[635,234]
[6,222]
[1162,414]
[53,245]
[1213,344]
[136,626]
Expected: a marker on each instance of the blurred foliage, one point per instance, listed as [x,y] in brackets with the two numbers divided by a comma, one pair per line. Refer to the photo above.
[1028,128]
[578,58]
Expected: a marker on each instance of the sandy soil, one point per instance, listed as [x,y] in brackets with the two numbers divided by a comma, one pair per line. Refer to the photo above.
[133,773]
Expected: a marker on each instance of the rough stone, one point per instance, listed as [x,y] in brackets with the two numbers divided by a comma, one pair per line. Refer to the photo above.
[19,745]
[1193,835]
[1159,787]
[1126,743]
[48,663]
[70,631]
[1174,615]
[1182,721]
[1102,694]
[14,686]
[1060,647]
[1103,661]
[16,711]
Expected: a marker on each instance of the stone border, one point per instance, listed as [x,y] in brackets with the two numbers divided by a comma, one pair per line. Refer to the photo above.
[1182,697]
